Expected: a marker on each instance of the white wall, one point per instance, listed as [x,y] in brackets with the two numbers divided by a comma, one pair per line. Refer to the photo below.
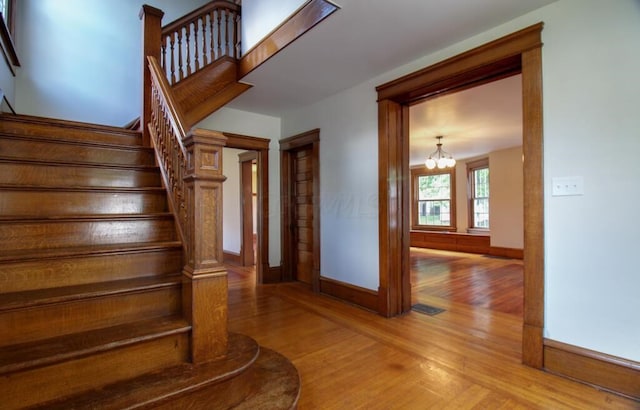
[506,198]
[231,207]
[81,59]
[263,126]
[591,97]
[260,17]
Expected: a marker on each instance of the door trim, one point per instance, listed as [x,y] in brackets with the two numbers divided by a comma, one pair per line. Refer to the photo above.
[287,147]
[246,160]
[261,146]
[517,52]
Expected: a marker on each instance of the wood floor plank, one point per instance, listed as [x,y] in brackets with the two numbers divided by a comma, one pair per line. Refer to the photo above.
[466,357]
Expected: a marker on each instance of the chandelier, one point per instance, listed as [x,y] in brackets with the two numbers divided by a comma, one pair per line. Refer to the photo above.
[440,158]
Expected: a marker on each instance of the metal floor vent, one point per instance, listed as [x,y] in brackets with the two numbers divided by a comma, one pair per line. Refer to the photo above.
[429,310]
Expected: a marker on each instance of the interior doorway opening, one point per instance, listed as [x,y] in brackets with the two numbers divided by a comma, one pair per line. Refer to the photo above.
[470,251]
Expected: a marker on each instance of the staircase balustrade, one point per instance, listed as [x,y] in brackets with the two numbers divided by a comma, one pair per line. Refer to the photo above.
[200,38]
[191,165]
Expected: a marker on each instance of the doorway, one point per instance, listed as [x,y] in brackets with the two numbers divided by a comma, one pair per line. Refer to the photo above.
[300,196]
[248,204]
[260,146]
[518,52]
[468,253]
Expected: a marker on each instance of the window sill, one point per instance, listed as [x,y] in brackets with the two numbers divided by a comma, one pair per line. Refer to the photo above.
[478,231]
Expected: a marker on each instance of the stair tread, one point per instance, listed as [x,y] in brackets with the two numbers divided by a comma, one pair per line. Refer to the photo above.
[83,217]
[15,187]
[46,352]
[62,140]
[60,123]
[30,254]
[78,164]
[38,297]
[166,383]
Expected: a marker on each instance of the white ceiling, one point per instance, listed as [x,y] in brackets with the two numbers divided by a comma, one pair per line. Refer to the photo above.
[473,122]
[367,38]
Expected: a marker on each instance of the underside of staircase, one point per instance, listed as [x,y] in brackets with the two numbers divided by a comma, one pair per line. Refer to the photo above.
[91,301]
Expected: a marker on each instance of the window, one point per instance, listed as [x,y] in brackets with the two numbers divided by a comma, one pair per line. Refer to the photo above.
[433,203]
[6,10]
[479,193]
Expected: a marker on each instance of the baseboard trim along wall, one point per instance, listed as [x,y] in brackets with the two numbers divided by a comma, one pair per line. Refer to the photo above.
[604,372]
[362,297]
[462,242]
[231,257]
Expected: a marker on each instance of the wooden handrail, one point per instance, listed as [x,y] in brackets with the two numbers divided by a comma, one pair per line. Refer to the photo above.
[174,25]
[167,134]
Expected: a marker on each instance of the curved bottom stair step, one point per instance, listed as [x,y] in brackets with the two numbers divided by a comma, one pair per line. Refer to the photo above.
[247,378]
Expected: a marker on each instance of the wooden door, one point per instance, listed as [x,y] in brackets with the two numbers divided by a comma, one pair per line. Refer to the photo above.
[300,190]
[302,198]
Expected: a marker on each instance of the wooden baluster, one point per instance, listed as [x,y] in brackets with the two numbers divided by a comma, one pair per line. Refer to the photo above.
[196,48]
[163,62]
[180,66]
[212,43]
[173,58]
[238,45]
[187,31]
[202,22]
[219,53]
[235,35]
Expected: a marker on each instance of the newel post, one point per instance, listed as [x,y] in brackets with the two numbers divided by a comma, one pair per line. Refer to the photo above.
[204,276]
[151,18]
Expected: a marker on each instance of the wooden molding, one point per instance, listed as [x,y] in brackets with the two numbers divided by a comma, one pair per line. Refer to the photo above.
[288,146]
[605,372]
[246,142]
[232,257]
[261,146]
[273,275]
[512,253]
[518,52]
[365,298]
[304,19]
[452,241]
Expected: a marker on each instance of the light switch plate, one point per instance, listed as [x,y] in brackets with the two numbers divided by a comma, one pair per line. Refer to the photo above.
[567,186]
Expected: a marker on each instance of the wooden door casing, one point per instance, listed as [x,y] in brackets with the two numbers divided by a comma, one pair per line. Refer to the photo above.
[300,201]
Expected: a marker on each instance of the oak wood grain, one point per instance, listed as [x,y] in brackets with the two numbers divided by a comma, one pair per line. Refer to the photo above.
[466,357]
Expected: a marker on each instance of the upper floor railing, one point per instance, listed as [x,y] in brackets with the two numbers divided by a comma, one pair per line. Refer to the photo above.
[201,37]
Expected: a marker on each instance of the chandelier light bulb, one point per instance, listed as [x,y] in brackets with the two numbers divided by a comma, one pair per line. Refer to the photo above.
[430,163]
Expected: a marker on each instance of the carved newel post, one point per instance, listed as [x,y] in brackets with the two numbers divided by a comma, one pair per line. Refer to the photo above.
[204,276]
[151,18]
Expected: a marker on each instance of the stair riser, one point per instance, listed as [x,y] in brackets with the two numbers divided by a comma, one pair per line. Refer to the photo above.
[57,132]
[50,150]
[48,383]
[62,234]
[70,203]
[48,175]
[51,273]
[41,322]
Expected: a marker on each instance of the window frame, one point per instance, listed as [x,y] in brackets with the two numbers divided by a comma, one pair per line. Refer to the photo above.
[416,173]
[472,167]
[7,36]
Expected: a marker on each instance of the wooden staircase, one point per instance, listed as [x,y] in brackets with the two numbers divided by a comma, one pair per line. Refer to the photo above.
[91,295]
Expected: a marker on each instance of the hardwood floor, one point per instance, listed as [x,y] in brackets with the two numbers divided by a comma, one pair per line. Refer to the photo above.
[444,278]
[350,358]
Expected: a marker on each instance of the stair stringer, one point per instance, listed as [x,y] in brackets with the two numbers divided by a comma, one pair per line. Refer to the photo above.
[209,89]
